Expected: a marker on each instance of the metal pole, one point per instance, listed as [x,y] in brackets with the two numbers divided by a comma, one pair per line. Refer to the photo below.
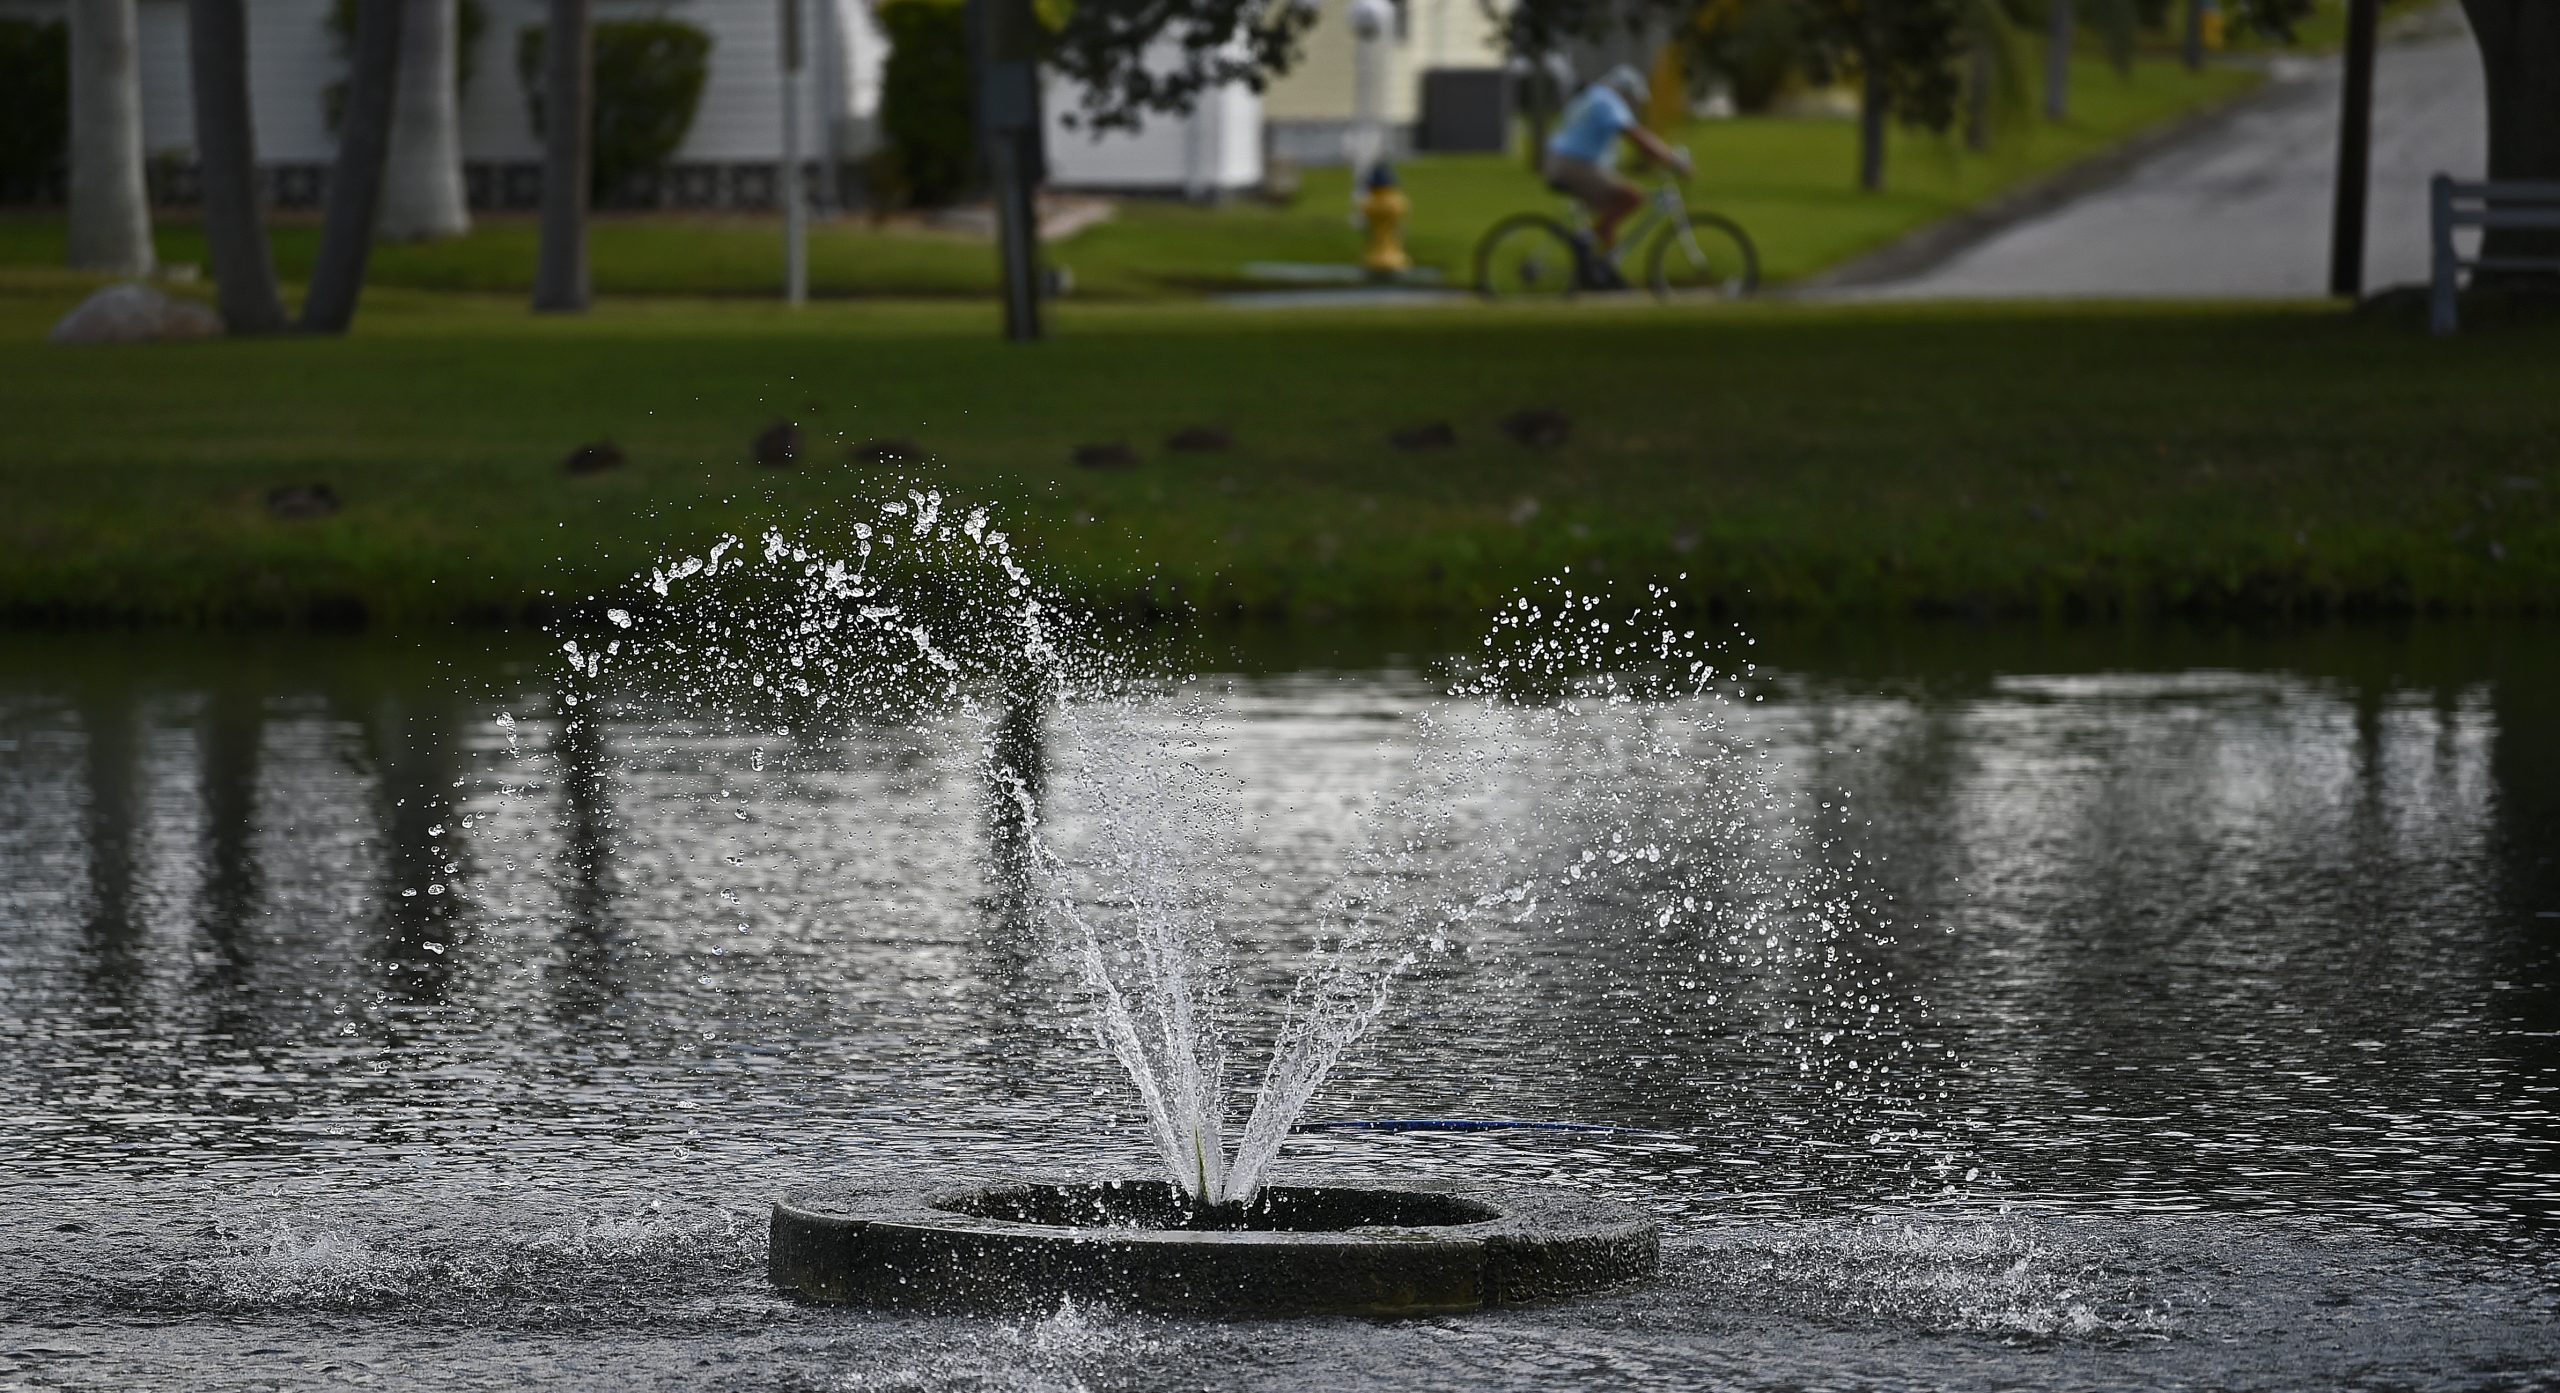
[1004,53]
[1017,239]
[1372,27]
[560,280]
[2444,292]
[795,193]
[2355,154]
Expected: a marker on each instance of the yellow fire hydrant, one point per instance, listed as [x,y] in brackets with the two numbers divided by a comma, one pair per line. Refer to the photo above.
[1384,209]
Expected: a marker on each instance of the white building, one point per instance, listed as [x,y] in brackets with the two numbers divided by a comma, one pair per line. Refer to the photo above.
[730,154]
[1310,110]
[1213,150]
[728,157]
[1307,115]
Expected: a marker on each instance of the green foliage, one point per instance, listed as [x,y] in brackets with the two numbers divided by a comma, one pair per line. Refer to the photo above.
[648,85]
[925,118]
[1756,46]
[470,21]
[1106,45]
[1915,44]
[35,108]
[1918,46]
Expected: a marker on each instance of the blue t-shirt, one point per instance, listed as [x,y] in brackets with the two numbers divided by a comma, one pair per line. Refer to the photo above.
[1591,126]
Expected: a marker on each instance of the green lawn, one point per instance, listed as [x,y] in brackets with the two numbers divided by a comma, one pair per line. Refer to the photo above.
[1789,181]
[1773,458]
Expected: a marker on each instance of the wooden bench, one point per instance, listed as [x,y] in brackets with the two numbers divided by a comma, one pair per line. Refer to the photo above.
[2453,204]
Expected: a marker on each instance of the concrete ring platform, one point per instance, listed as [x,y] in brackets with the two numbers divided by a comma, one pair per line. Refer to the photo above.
[1411,1249]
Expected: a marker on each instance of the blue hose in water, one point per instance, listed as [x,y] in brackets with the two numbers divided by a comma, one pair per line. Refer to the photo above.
[1468,1124]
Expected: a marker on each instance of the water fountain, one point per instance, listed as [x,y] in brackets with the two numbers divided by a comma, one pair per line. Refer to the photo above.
[931,611]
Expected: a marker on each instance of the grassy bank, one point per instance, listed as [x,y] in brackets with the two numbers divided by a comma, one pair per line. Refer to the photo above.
[1788,180]
[1781,458]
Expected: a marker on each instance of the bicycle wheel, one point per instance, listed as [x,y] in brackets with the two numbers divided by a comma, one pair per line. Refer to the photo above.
[1527,255]
[1711,258]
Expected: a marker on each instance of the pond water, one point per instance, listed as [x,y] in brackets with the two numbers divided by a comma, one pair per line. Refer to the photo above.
[349,1034]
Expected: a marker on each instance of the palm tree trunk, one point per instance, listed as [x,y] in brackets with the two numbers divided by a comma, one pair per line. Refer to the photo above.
[560,277]
[422,194]
[235,235]
[355,186]
[110,210]
[2057,59]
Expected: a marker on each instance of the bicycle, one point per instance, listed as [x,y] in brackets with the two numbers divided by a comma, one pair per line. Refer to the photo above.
[1689,253]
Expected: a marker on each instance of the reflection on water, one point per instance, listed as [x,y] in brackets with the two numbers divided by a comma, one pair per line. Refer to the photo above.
[395,965]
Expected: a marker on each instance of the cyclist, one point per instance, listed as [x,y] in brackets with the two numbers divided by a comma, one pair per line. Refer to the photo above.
[1581,158]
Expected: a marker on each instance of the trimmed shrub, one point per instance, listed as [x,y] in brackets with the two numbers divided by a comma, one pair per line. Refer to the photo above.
[648,85]
[931,134]
[35,109]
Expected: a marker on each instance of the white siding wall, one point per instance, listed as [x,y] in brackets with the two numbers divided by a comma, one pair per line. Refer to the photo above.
[740,117]
[741,113]
[1215,149]
[168,93]
[497,127]
[292,60]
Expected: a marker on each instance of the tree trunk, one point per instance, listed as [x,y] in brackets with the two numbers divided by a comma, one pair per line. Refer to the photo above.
[110,210]
[235,235]
[2519,54]
[560,280]
[1977,97]
[2191,46]
[422,194]
[1873,103]
[2059,24]
[355,185]
[2355,153]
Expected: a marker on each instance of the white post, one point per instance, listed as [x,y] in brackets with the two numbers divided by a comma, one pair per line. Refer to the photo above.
[2443,273]
[795,193]
[1372,30]
[1195,141]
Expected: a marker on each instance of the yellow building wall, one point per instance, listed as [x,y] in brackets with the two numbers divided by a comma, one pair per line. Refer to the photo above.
[1437,34]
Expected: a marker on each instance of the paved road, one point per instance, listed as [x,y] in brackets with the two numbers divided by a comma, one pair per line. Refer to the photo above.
[2244,210]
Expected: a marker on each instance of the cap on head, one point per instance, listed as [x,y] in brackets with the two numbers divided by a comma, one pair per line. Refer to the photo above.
[1629,84]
